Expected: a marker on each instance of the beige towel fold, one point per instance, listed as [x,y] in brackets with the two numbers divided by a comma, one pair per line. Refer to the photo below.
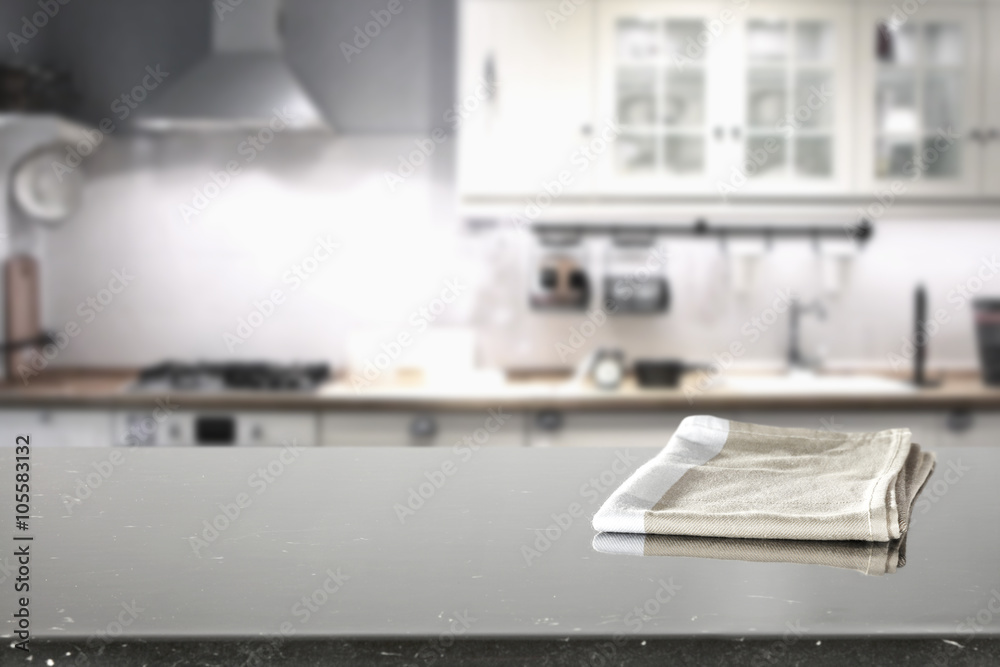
[871,558]
[717,478]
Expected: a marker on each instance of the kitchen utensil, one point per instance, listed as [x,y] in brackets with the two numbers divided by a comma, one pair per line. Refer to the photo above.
[561,282]
[625,296]
[22,319]
[634,280]
[662,372]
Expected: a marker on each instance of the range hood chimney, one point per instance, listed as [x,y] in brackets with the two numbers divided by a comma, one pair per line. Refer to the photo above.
[244,84]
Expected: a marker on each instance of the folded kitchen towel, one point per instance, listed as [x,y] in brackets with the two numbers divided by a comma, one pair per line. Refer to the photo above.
[870,558]
[720,478]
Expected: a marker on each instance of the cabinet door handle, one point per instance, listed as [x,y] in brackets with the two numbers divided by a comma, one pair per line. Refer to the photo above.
[720,133]
[549,421]
[490,77]
[423,427]
[736,132]
[959,421]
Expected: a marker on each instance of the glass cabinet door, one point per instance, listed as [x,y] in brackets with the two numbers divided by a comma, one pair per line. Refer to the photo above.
[923,95]
[700,89]
[656,71]
[793,103]
[991,124]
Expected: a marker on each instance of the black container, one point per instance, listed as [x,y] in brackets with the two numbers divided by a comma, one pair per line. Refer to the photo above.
[988,333]
[661,373]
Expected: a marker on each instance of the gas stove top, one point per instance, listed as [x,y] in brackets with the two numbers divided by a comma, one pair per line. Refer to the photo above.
[238,376]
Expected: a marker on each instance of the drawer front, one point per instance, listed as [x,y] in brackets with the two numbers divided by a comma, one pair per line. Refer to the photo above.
[57,428]
[188,428]
[494,428]
[552,428]
[969,429]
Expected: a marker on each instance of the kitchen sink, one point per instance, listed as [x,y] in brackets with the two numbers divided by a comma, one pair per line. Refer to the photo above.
[812,383]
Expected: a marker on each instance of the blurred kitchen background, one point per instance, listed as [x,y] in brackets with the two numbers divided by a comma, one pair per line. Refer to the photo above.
[599,213]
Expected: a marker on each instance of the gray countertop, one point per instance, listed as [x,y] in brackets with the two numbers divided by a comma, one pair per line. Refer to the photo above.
[414,544]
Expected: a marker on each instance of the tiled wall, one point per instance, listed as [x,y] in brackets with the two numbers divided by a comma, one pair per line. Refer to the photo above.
[195,280]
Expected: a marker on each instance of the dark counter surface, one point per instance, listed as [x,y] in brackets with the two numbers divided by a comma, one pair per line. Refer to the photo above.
[315,544]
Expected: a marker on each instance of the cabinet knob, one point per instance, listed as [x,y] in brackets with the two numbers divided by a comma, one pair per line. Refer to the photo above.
[992,134]
[720,133]
[423,427]
[490,77]
[257,432]
[736,132]
[959,421]
[549,420]
[586,130]
[977,135]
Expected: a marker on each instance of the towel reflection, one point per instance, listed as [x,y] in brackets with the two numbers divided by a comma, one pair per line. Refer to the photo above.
[870,558]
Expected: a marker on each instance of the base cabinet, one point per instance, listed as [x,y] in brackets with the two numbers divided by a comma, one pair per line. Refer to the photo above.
[56,428]
[492,428]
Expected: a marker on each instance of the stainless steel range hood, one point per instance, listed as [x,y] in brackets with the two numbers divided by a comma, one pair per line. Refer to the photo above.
[244,84]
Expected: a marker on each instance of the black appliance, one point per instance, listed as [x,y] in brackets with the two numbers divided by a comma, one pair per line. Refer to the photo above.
[234,376]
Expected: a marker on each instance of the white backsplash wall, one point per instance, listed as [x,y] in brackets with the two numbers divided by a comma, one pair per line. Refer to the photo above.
[193,282]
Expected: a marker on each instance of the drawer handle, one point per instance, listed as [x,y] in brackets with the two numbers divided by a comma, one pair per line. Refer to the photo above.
[423,427]
[549,420]
[959,421]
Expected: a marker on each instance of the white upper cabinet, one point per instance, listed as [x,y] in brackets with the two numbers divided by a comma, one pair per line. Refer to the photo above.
[660,81]
[729,100]
[793,99]
[920,82]
[991,121]
[726,99]
[525,95]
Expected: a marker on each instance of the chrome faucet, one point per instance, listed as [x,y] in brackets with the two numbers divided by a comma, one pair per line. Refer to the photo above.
[796,310]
